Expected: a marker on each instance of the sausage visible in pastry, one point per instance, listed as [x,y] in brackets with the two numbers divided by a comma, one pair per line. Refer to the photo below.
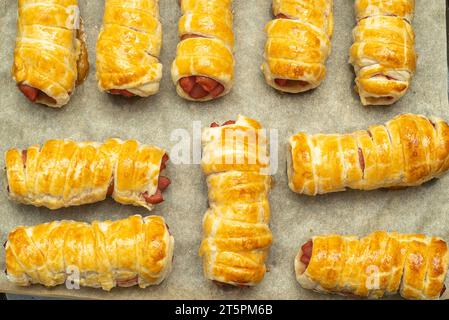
[298,44]
[104,254]
[380,264]
[236,235]
[204,65]
[50,57]
[383,53]
[407,151]
[65,173]
[128,48]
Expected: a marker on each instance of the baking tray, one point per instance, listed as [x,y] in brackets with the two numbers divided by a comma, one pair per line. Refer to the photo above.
[333,107]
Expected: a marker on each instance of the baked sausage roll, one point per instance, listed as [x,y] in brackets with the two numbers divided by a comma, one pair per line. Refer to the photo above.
[123,253]
[378,265]
[50,57]
[236,235]
[298,44]
[128,48]
[383,53]
[65,173]
[204,65]
[408,151]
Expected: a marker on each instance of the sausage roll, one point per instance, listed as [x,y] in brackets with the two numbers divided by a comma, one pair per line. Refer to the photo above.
[407,151]
[236,235]
[123,253]
[204,65]
[298,44]
[65,173]
[413,265]
[383,53]
[50,57]
[128,48]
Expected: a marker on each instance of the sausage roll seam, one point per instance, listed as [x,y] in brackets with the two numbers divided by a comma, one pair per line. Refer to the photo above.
[204,65]
[407,151]
[236,235]
[124,253]
[65,173]
[381,264]
[383,53]
[298,44]
[50,56]
[128,48]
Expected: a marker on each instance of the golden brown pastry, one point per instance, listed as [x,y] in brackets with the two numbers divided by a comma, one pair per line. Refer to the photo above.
[50,57]
[65,173]
[236,235]
[381,264]
[123,253]
[128,48]
[383,53]
[408,151]
[298,44]
[204,65]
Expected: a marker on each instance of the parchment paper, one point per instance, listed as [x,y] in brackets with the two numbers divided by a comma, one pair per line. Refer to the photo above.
[333,107]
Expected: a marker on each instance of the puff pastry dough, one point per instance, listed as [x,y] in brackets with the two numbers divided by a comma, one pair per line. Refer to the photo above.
[103,255]
[204,65]
[408,151]
[65,173]
[50,57]
[380,264]
[383,53]
[128,48]
[298,44]
[236,235]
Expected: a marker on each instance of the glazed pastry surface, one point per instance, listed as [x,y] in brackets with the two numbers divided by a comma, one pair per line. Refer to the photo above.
[204,55]
[383,53]
[407,151]
[298,44]
[65,173]
[128,48]
[236,235]
[380,264]
[50,57]
[104,254]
